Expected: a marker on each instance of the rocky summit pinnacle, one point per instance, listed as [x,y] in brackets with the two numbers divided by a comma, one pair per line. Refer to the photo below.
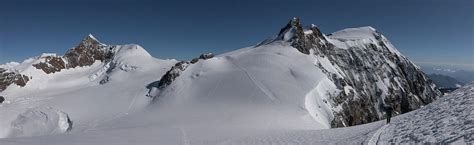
[85,53]
[90,40]
[371,73]
[302,39]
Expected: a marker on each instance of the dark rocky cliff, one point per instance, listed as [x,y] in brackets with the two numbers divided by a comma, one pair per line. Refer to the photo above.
[85,53]
[371,75]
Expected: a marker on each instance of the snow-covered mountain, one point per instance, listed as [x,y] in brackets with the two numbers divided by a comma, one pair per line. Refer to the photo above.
[342,79]
[299,80]
[83,84]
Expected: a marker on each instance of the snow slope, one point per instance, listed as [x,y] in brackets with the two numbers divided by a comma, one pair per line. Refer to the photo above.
[79,91]
[450,119]
[447,120]
[264,87]
[284,91]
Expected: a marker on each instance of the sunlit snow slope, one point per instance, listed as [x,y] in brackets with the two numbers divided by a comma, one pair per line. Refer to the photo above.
[89,95]
[295,84]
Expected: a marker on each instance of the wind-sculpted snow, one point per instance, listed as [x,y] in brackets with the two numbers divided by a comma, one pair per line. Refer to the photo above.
[40,121]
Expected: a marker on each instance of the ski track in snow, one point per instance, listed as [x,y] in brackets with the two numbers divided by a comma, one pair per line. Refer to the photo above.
[375,138]
[185,137]
[255,82]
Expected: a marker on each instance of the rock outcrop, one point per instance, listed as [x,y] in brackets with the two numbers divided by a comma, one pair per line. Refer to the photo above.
[86,53]
[8,77]
[371,73]
[175,72]
[172,74]
[203,56]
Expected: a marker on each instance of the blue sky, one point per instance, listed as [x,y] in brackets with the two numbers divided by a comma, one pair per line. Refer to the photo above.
[430,32]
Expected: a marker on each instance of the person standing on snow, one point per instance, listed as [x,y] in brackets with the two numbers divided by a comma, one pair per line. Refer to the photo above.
[388,112]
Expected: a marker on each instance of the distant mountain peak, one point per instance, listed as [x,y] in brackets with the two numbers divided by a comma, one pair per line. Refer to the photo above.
[90,40]
[301,38]
[90,36]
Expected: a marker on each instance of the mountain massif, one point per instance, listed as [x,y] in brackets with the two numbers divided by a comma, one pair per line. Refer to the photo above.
[300,79]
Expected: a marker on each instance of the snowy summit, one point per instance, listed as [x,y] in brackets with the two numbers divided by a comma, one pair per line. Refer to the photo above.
[301,87]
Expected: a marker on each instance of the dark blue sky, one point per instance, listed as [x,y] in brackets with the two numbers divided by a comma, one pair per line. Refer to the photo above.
[427,31]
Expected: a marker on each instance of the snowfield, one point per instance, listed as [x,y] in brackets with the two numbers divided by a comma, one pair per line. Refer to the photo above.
[265,94]
[82,97]
[448,120]
[452,123]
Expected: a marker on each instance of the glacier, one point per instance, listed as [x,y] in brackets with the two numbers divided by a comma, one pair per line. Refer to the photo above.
[295,88]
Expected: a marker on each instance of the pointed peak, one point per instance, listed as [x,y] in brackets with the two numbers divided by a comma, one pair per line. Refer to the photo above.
[295,22]
[90,39]
[295,19]
[292,24]
[91,36]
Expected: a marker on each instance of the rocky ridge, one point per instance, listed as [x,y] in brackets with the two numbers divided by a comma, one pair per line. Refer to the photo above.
[85,53]
[9,77]
[368,70]
[371,74]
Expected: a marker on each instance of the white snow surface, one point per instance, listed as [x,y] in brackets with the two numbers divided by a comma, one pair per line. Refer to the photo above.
[253,90]
[259,88]
[85,101]
[271,94]
[39,121]
[366,32]
[449,119]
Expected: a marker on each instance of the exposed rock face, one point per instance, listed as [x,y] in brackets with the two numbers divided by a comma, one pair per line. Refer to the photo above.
[203,56]
[370,74]
[172,74]
[87,52]
[294,33]
[177,69]
[7,78]
[51,65]
[84,54]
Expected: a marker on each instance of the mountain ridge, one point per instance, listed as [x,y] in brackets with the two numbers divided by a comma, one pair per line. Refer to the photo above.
[387,76]
[337,80]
